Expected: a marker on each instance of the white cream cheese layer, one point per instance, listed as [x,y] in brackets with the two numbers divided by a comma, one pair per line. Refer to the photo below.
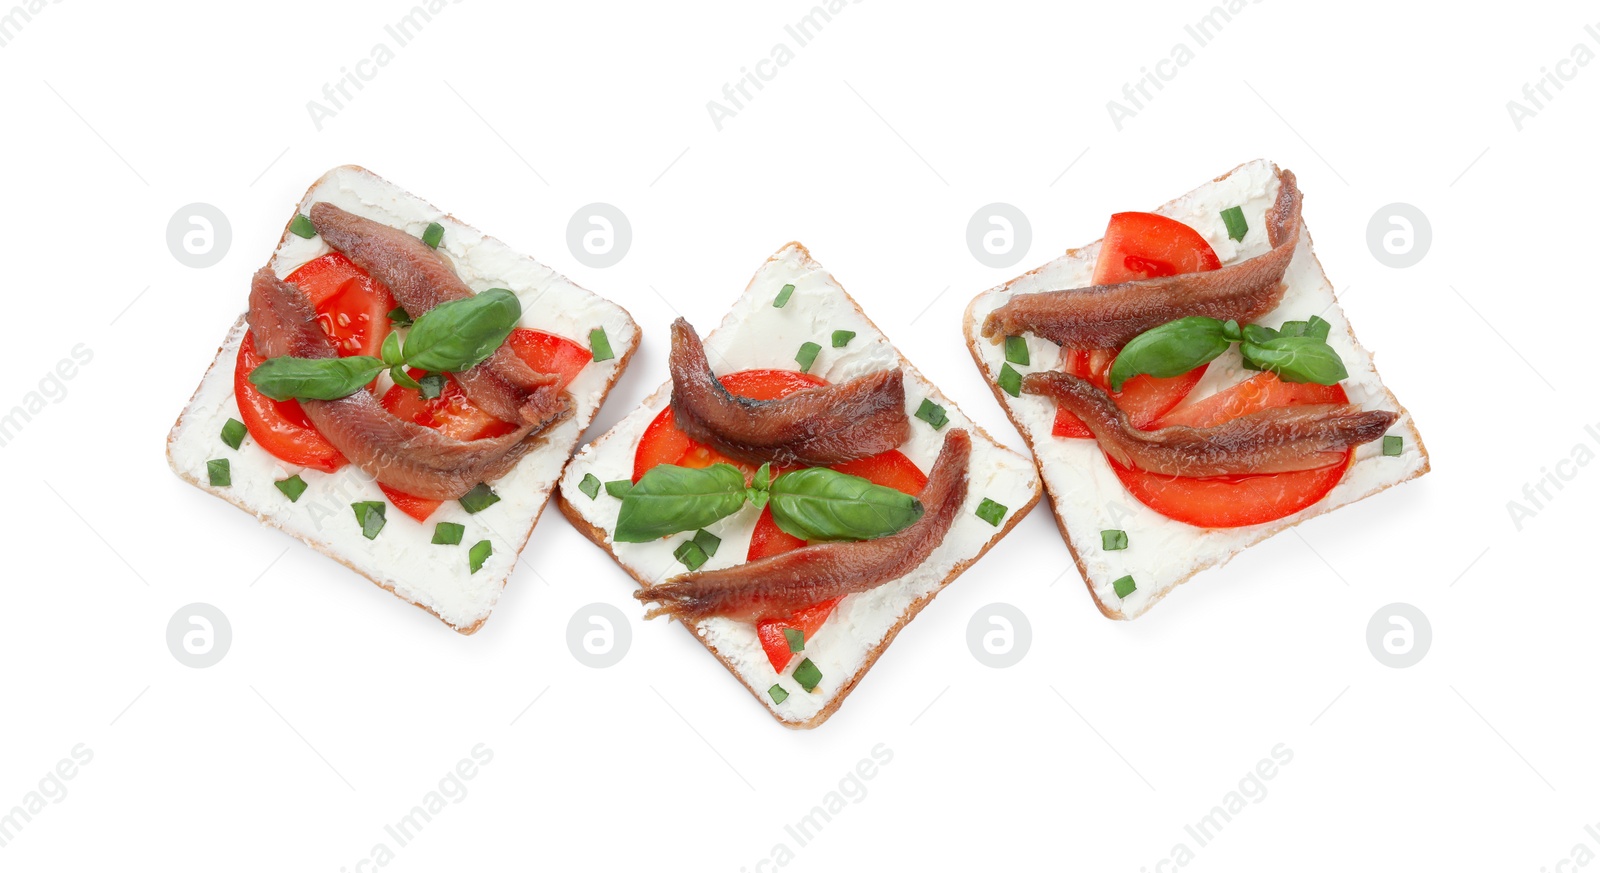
[755,334]
[402,557]
[1087,495]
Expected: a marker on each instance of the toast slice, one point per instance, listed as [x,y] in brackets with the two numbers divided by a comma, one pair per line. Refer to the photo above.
[1086,494]
[402,558]
[757,334]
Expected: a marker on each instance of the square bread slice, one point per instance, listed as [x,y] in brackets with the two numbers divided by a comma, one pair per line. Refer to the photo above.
[757,334]
[402,557]
[1087,496]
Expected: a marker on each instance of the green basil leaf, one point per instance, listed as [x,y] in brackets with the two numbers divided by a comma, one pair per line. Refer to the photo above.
[458,335]
[402,378]
[1296,359]
[761,486]
[822,504]
[286,378]
[1170,350]
[669,499]
[390,351]
[1257,334]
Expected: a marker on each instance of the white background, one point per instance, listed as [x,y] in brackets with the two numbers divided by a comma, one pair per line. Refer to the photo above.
[338,707]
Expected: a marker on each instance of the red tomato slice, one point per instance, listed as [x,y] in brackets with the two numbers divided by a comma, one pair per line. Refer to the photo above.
[1143,245]
[279,426]
[1138,245]
[352,307]
[807,621]
[548,353]
[1239,500]
[452,414]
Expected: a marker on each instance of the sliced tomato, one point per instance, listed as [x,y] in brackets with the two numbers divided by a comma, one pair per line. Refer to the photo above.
[548,353]
[279,426]
[1238,500]
[664,443]
[1143,245]
[452,414]
[808,621]
[352,307]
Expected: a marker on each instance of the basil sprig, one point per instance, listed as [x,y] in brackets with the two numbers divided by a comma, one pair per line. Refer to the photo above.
[449,338]
[1297,351]
[815,504]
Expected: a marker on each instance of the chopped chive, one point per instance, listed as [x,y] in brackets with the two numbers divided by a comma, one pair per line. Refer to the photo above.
[590,485]
[1392,445]
[1233,217]
[302,227]
[448,533]
[807,675]
[1010,381]
[619,488]
[292,487]
[479,498]
[777,693]
[807,355]
[796,638]
[370,515]
[690,555]
[1124,586]
[219,472]
[932,413]
[842,338]
[480,552]
[784,294]
[1293,328]
[233,433]
[1316,326]
[1113,540]
[431,386]
[600,345]
[1017,351]
[399,317]
[433,235]
[707,541]
[990,511]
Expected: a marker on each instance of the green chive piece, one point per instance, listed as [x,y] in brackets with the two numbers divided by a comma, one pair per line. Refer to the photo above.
[932,413]
[292,487]
[448,533]
[807,675]
[479,498]
[219,472]
[990,511]
[1017,351]
[690,555]
[807,356]
[433,235]
[479,553]
[777,693]
[842,338]
[1124,586]
[1010,381]
[1293,328]
[233,433]
[784,294]
[399,317]
[796,638]
[1392,446]
[370,515]
[590,485]
[1233,217]
[302,227]
[619,488]
[1113,540]
[431,386]
[707,541]
[1316,326]
[600,345]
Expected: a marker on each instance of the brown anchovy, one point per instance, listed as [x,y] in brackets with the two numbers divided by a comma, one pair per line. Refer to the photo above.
[503,385]
[401,454]
[781,584]
[1108,316]
[1276,440]
[829,424]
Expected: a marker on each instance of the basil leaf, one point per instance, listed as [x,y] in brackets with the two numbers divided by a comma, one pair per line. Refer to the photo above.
[1296,359]
[669,499]
[391,349]
[761,486]
[822,504]
[1257,334]
[402,378]
[285,378]
[458,335]
[1170,350]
